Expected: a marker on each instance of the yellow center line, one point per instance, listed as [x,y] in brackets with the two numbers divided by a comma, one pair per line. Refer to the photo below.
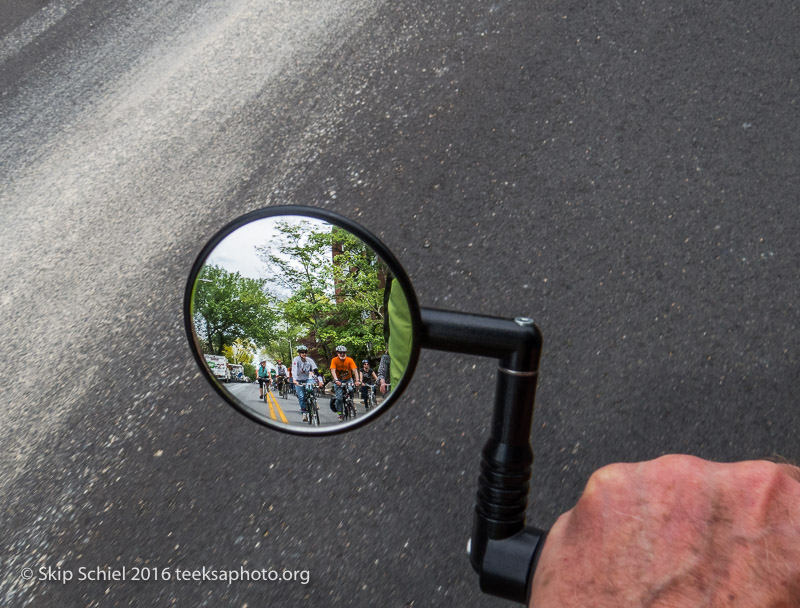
[274,401]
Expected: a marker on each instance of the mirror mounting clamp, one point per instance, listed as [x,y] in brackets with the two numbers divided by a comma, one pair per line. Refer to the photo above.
[503,550]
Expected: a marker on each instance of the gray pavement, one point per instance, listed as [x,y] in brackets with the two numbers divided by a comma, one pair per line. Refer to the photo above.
[626,175]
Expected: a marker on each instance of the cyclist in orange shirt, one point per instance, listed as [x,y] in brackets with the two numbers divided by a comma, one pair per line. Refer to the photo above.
[344,370]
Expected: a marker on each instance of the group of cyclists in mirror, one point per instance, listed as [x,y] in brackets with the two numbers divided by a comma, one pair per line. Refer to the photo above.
[304,375]
[271,377]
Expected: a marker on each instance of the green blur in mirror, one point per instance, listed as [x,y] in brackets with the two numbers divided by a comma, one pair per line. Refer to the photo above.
[299,323]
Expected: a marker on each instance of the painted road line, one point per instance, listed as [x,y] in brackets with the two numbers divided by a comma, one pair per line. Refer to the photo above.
[273,401]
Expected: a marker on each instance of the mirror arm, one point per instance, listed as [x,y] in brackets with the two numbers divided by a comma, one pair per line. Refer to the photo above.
[502,549]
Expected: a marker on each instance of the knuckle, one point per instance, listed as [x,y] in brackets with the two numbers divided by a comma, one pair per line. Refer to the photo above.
[608,478]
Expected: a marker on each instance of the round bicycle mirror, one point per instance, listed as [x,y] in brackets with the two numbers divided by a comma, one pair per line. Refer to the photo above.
[302,320]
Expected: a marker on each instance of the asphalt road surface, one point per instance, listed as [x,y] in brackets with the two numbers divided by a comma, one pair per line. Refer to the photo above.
[279,411]
[624,173]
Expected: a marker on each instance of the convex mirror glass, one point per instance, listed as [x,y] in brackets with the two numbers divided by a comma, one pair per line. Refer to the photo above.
[272,297]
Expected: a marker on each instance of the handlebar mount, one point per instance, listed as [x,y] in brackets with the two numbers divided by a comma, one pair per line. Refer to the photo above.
[503,551]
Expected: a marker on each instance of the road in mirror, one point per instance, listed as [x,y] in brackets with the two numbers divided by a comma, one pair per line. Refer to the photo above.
[291,315]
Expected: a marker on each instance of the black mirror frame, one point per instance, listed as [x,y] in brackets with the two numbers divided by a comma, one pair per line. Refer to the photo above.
[377,246]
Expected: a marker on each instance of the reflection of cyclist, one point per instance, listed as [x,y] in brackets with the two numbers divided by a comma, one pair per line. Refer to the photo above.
[368,380]
[343,369]
[384,381]
[263,378]
[303,368]
[282,373]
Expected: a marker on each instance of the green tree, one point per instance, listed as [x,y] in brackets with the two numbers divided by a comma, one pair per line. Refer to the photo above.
[240,351]
[250,370]
[359,276]
[227,307]
[330,287]
[286,339]
[299,263]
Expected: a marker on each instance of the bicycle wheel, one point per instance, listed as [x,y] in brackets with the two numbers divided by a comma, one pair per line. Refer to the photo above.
[311,406]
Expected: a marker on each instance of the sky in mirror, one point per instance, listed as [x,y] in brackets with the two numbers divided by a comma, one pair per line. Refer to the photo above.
[238,251]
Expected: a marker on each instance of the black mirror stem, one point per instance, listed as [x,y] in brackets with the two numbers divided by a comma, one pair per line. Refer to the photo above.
[503,550]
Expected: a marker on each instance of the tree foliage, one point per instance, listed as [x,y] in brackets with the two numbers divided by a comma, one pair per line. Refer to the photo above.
[240,351]
[250,371]
[227,307]
[282,347]
[329,286]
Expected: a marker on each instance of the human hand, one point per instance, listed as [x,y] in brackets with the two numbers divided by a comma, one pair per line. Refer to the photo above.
[674,532]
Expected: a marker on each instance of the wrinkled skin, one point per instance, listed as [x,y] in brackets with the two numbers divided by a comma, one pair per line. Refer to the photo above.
[677,532]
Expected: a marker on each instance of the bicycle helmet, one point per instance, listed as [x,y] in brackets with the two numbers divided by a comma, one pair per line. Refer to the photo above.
[341,349]
[365,361]
[302,349]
